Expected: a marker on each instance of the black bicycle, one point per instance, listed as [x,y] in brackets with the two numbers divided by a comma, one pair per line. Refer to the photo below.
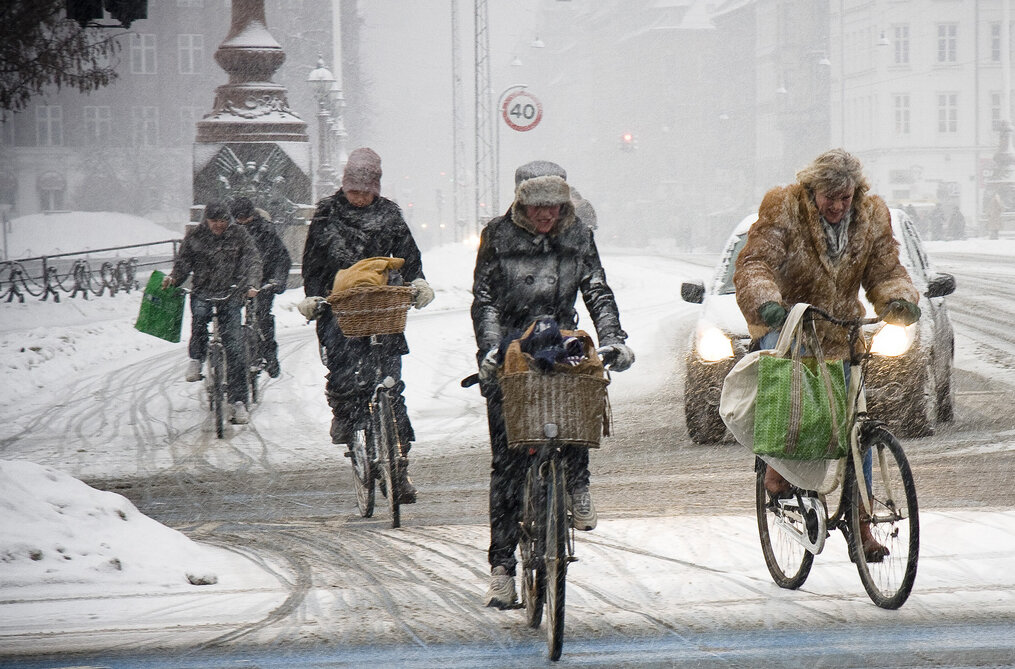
[793,526]
[253,345]
[215,380]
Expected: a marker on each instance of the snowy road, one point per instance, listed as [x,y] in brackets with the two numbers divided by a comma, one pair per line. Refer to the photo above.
[674,570]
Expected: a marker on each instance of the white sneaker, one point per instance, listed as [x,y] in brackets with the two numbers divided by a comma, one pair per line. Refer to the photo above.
[501,593]
[193,370]
[240,415]
[583,511]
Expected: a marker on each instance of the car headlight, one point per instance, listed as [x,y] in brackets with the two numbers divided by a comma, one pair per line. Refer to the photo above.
[892,340]
[714,345]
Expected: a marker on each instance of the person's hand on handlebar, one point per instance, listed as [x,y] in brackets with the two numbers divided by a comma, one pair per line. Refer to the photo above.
[488,366]
[901,312]
[616,357]
[422,293]
[252,292]
[312,307]
[167,282]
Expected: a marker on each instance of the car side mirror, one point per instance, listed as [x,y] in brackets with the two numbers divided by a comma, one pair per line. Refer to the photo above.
[942,284]
[692,291]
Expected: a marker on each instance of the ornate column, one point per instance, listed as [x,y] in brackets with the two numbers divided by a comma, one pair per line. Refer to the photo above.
[252,143]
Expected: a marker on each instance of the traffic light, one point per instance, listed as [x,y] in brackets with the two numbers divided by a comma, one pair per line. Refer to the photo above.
[628,142]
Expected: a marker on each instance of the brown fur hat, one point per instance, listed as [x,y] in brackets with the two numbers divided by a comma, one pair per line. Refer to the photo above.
[543,191]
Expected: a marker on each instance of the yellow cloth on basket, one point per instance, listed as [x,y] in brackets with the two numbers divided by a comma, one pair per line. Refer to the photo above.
[366,272]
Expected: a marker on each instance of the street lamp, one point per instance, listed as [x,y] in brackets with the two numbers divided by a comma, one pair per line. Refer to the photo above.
[321,79]
[338,127]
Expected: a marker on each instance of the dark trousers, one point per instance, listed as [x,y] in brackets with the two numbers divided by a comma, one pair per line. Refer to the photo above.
[351,377]
[231,330]
[507,482]
[266,324]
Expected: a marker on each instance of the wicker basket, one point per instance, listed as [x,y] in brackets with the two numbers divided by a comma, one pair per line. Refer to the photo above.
[576,403]
[371,310]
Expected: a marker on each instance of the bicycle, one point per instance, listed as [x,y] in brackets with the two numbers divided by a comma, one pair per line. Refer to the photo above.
[253,345]
[793,526]
[376,451]
[548,416]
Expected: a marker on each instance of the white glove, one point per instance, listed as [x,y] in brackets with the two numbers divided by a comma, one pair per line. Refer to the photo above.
[422,293]
[310,307]
[618,357]
[488,366]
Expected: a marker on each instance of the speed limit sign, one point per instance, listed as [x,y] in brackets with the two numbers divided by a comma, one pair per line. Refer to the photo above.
[522,111]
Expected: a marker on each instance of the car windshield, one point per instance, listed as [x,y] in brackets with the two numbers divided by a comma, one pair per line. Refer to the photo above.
[726,287]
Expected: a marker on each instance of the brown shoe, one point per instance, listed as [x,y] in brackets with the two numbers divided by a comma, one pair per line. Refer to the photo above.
[775,484]
[873,551]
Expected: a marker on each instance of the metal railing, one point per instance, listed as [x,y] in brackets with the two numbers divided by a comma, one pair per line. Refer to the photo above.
[49,275]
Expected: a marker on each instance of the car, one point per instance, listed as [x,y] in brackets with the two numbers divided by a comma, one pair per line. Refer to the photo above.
[909,377]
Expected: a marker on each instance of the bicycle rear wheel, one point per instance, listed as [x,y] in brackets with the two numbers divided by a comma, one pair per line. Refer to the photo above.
[216,386]
[531,542]
[788,561]
[556,557]
[362,472]
[252,350]
[894,522]
[386,448]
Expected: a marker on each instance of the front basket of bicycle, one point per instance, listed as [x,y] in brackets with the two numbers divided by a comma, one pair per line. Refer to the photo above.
[576,403]
[371,310]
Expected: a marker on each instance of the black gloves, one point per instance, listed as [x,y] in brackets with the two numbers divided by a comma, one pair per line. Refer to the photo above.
[901,312]
[773,314]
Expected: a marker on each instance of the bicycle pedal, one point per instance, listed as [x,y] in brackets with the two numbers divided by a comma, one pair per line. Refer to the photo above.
[347,454]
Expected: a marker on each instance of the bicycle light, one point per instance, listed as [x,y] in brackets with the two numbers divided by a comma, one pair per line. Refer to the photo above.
[893,340]
[714,345]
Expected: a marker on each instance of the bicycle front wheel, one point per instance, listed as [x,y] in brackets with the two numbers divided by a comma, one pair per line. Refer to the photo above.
[362,472]
[556,557]
[530,542]
[217,389]
[386,448]
[894,521]
[788,561]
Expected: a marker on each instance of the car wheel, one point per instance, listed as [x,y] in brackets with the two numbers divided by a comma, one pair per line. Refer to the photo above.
[945,407]
[704,425]
[918,421]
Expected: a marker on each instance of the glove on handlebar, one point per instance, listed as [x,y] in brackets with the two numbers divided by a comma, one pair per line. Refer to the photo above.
[423,293]
[488,366]
[901,312]
[617,357]
[312,307]
[773,313]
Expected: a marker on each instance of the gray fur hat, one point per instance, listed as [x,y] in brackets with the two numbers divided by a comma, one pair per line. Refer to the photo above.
[543,191]
[538,168]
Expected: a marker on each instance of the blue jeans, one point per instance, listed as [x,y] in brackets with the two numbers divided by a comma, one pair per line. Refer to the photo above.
[768,341]
[231,329]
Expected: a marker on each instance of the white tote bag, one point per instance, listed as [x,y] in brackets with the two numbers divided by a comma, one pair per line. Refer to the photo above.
[736,406]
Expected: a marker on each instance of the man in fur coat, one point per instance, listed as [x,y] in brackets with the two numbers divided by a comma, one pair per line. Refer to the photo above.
[819,241]
[532,262]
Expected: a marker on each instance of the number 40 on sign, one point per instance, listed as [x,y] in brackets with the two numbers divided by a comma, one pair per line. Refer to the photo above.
[522,111]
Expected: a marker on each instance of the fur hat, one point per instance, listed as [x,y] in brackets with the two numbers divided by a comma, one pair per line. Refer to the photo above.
[242,207]
[538,168]
[363,172]
[543,191]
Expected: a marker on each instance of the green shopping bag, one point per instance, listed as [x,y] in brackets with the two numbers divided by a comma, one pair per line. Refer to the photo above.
[800,413]
[161,310]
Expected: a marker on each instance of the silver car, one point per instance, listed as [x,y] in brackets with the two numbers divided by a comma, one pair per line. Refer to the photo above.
[909,379]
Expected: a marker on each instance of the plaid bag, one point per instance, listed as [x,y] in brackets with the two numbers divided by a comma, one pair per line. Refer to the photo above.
[161,312]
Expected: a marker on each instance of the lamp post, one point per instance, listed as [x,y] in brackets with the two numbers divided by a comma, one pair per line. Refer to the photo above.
[338,127]
[322,79]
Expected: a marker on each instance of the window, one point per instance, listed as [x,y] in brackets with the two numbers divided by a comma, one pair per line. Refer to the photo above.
[189,116]
[947,37]
[900,103]
[144,126]
[98,125]
[142,54]
[901,44]
[995,42]
[995,110]
[948,112]
[49,125]
[191,53]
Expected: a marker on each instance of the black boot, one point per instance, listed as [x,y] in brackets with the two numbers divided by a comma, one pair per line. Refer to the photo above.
[407,491]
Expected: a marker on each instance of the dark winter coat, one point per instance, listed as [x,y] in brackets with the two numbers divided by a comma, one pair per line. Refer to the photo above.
[275,259]
[521,275]
[785,260]
[217,261]
[341,235]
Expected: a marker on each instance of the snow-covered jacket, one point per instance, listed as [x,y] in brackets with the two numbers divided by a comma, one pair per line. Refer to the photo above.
[521,275]
[786,260]
[218,261]
[341,235]
[275,259]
